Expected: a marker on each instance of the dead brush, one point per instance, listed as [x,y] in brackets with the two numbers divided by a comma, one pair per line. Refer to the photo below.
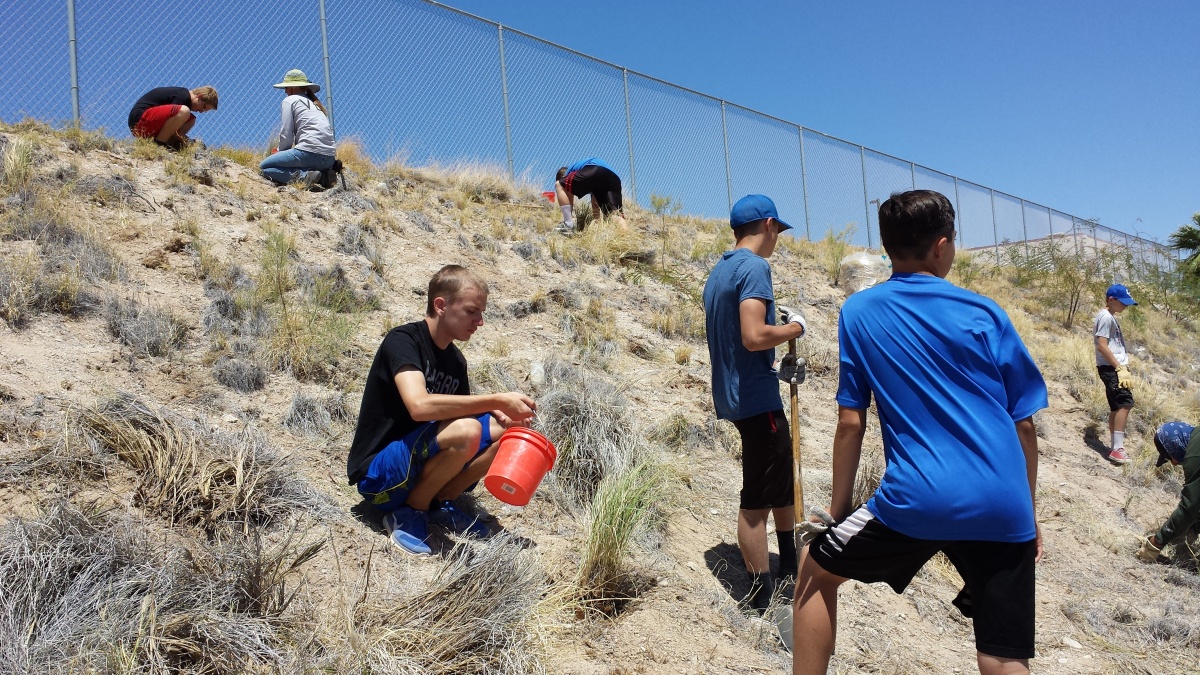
[88,591]
[312,415]
[482,183]
[194,475]
[17,164]
[147,330]
[593,427]
[477,616]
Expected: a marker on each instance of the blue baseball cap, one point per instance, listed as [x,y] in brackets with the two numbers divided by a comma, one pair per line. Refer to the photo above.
[754,207]
[1121,293]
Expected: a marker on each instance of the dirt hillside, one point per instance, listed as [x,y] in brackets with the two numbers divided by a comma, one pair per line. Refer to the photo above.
[238,313]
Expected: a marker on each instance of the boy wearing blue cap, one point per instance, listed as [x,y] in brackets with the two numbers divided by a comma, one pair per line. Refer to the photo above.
[1111,362]
[739,315]
[1179,444]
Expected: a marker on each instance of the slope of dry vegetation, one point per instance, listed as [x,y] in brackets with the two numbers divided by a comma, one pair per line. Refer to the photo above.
[181,359]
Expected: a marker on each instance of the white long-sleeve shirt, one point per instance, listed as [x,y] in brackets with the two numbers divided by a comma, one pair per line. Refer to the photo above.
[304,127]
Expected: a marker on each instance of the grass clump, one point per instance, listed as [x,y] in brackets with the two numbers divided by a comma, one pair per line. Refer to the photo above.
[147,330]
[476,617]
[624,504]
[190,474]
[593,427]
[239,374]
[328,287]
[312,415]
[87,591]
[17,164]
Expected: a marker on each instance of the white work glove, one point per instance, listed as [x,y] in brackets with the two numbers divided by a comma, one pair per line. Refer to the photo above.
[809,529]
[791,315]
[1124,379]
[792,370]
[1148,552]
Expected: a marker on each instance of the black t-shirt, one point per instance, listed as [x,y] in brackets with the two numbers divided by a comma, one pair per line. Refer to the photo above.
[159,96]
[382,418]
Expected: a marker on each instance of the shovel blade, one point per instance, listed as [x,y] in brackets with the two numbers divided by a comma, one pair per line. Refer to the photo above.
[783,624]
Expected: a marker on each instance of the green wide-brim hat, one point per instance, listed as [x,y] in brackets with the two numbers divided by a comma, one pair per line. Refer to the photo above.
[297,78]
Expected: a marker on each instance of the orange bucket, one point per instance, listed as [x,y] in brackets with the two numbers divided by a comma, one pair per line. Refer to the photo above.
[522,460]
[550,196]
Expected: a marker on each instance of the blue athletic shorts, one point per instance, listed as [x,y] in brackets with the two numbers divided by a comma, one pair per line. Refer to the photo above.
[395,470]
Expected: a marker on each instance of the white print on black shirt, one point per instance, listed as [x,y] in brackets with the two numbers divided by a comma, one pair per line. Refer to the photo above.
[437,382]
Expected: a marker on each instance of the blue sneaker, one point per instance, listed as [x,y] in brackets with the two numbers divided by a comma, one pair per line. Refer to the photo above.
[448,516]
[407,529]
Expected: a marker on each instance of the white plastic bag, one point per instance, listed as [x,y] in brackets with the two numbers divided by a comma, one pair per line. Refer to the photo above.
[863,270]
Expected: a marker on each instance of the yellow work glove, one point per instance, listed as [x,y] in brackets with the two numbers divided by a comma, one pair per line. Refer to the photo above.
[1149,550]
[1124,379]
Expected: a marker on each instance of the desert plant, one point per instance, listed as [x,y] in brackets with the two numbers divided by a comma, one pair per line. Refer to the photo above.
[17,164]
[191,474]
[593,428]
[623,504]
[88,590]
[311,415]
[310,343]
[475,617]
[834,247]
[147,330]
[239,374]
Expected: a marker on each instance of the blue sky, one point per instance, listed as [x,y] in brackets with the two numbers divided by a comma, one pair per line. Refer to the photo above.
[1089,107]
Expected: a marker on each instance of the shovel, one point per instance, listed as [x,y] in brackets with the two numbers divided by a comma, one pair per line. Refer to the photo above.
[783,615]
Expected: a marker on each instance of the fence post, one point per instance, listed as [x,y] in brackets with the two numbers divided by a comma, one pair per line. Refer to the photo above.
[629,135]
[995,236]
[912,168]
[328,79]
[74,62]
[862,159]
[1024,230]
[728,172]
[804,184]
[504,90]
[958,212]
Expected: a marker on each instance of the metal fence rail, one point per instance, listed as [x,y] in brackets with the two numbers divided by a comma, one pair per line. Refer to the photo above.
[431,84]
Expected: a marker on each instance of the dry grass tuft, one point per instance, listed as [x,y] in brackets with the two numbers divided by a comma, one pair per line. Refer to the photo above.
[477,616]
[191,474]
[239,374]
[593,427]
[148,331]
[624,504]
[311,415]
[91,592]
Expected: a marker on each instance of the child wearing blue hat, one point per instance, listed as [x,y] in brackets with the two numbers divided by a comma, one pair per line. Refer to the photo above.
[1111,362]
[739,315]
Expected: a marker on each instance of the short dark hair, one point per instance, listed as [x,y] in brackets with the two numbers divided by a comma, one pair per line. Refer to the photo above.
[449,283]
[910,222]
[751,228]
[562,171]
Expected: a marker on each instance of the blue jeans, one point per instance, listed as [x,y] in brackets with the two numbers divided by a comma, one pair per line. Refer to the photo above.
[288,166]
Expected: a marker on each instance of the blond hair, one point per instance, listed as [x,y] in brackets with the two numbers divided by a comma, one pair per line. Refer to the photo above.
[449,283]
[207,95]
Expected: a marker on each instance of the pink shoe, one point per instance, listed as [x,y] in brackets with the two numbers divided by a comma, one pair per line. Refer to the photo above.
[1118,456]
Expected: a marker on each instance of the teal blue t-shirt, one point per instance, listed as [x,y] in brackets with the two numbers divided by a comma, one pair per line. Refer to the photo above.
[744,383]
[950,377]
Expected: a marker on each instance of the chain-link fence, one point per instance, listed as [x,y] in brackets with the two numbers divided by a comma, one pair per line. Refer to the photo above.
[426,83]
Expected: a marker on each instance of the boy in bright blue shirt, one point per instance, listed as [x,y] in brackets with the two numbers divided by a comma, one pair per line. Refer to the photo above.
[956,391]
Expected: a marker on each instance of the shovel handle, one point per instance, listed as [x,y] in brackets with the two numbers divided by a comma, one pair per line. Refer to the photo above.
[797,473]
